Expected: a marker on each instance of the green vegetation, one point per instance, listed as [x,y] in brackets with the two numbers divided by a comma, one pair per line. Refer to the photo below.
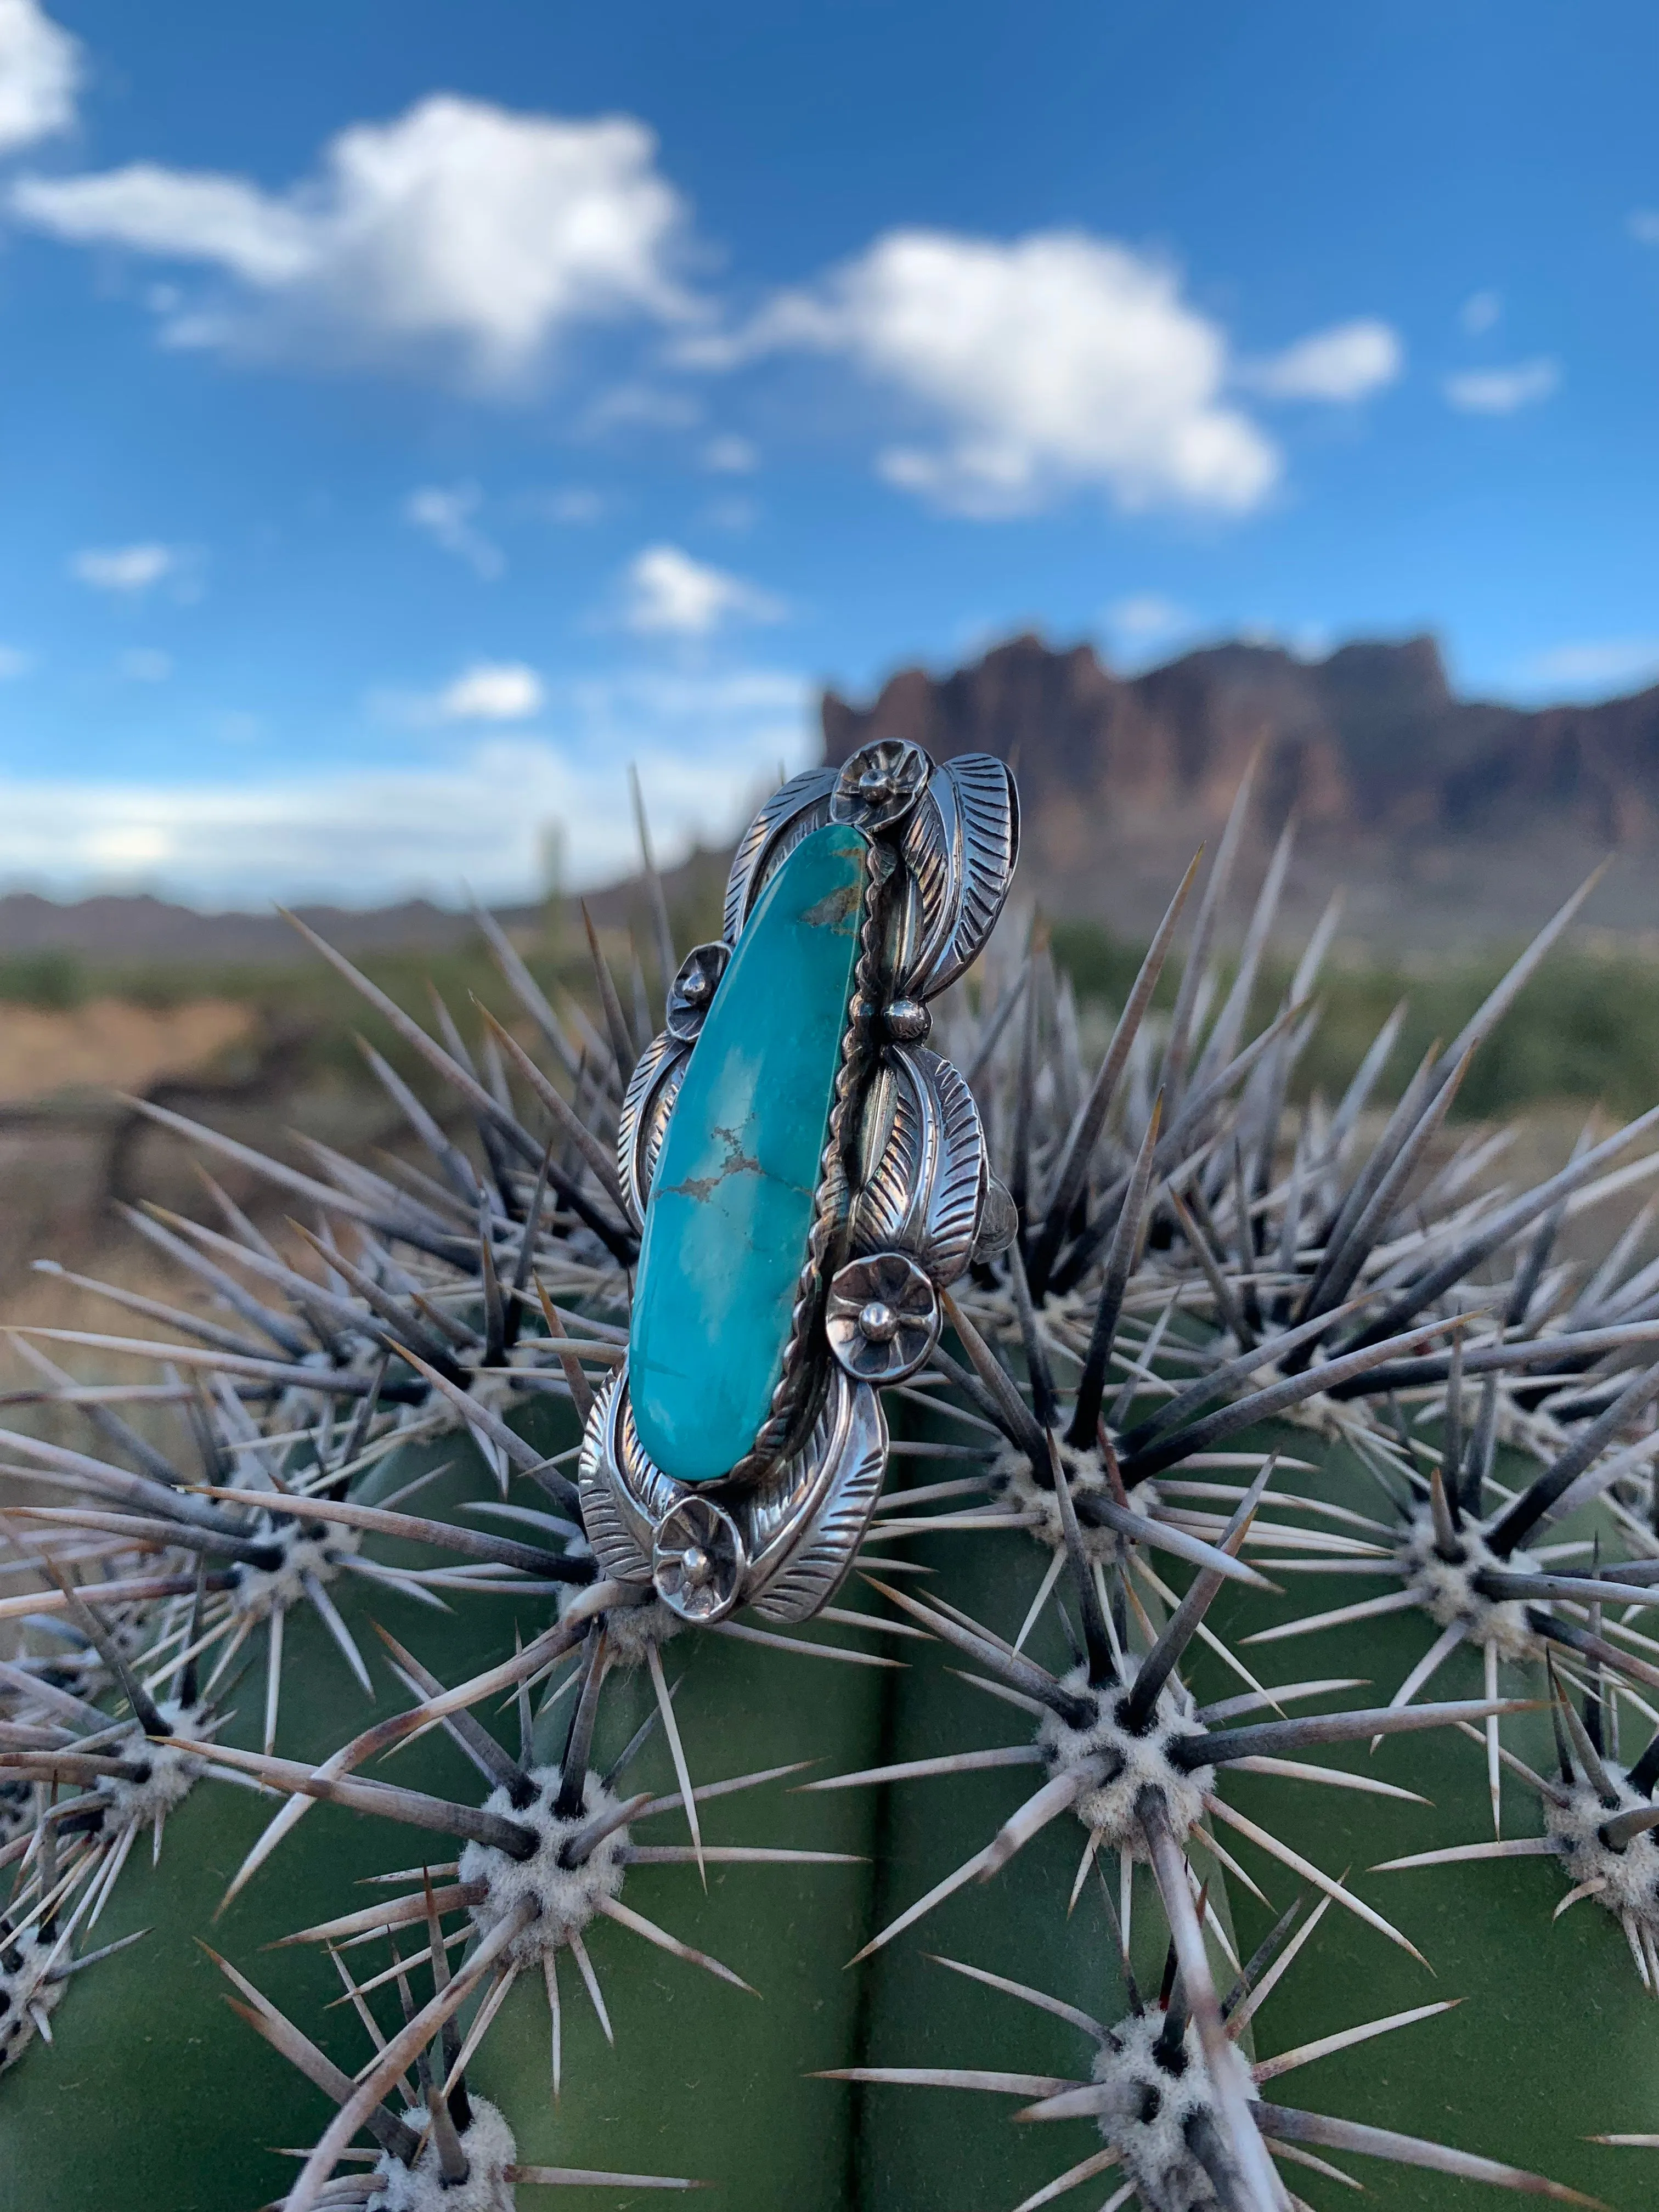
[1586,1027]
[306,1016]
[54,978]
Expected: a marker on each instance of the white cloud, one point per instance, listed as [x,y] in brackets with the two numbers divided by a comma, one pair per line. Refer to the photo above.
[1145,619]
[128,569]
[13,663]
[1601,664]
[460,226]
[670,594]
[730,456]
[1479,311]
[445,516]
[1348,362]
[492,691]
[1056,361]
[705,750]
[39,69]
[1644,225]
[145,664]
[1502,391]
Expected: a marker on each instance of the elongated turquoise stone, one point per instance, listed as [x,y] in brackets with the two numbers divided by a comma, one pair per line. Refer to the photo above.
[731,1209]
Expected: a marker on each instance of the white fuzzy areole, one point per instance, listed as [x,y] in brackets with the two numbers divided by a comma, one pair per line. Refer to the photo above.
[1149,2104]
[308,1547]
[632,1632]
[566,1898]
[1085,1474]
[1630,1877]
[173,1773]
[1127,1764]
[489,2149]
[1445,1589]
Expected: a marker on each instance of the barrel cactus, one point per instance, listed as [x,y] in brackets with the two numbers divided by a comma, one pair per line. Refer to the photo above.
[335,1691]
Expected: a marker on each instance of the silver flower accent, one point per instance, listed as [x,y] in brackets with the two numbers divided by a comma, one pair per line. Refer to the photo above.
[880,785]
[698,1561]
[883,1317]
[692,992]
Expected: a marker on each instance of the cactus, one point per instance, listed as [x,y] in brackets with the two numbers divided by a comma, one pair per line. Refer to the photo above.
[340,1651]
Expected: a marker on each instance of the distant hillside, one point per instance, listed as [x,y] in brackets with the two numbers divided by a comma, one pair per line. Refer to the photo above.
[1446,818]
[144,929]
[1450,821]
[138,930]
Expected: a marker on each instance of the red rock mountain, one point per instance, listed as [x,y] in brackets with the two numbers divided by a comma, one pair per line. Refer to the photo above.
[1445,817]
[1448,820]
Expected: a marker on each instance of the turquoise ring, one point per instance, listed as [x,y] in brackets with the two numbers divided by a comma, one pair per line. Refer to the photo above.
[806,1177]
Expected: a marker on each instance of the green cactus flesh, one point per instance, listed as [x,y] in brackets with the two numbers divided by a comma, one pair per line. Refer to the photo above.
[769,2063]
[153,2080]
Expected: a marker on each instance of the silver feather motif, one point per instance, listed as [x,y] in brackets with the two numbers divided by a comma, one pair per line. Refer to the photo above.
[785,1493]
[801,1523]
[925,1185]
[960,846]
[954,1193]
[624,1495]
[792,813]
[893,1143]
[828,1507]
[643,1121]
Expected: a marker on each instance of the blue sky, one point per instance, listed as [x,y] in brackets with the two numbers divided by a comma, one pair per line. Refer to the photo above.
[414,410]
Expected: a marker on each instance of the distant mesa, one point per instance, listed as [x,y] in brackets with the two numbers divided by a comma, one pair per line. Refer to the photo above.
[1447,819]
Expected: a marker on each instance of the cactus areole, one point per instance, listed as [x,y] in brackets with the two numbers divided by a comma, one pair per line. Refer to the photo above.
[728,1226]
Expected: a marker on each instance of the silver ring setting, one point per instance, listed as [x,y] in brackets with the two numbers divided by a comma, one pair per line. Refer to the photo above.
[904,1198]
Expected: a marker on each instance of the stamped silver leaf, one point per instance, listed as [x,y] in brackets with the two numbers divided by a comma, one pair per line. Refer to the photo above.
[956,1190]
[988,810]
[960,847]
[928,888]
[784,1496]
[645,1107]
[624,1496]
[619,1557]
[835,1482]
[925,1166]
[892,1144]
[792,812]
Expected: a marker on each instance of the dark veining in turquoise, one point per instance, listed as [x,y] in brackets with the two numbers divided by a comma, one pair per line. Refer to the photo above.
[731,1210]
